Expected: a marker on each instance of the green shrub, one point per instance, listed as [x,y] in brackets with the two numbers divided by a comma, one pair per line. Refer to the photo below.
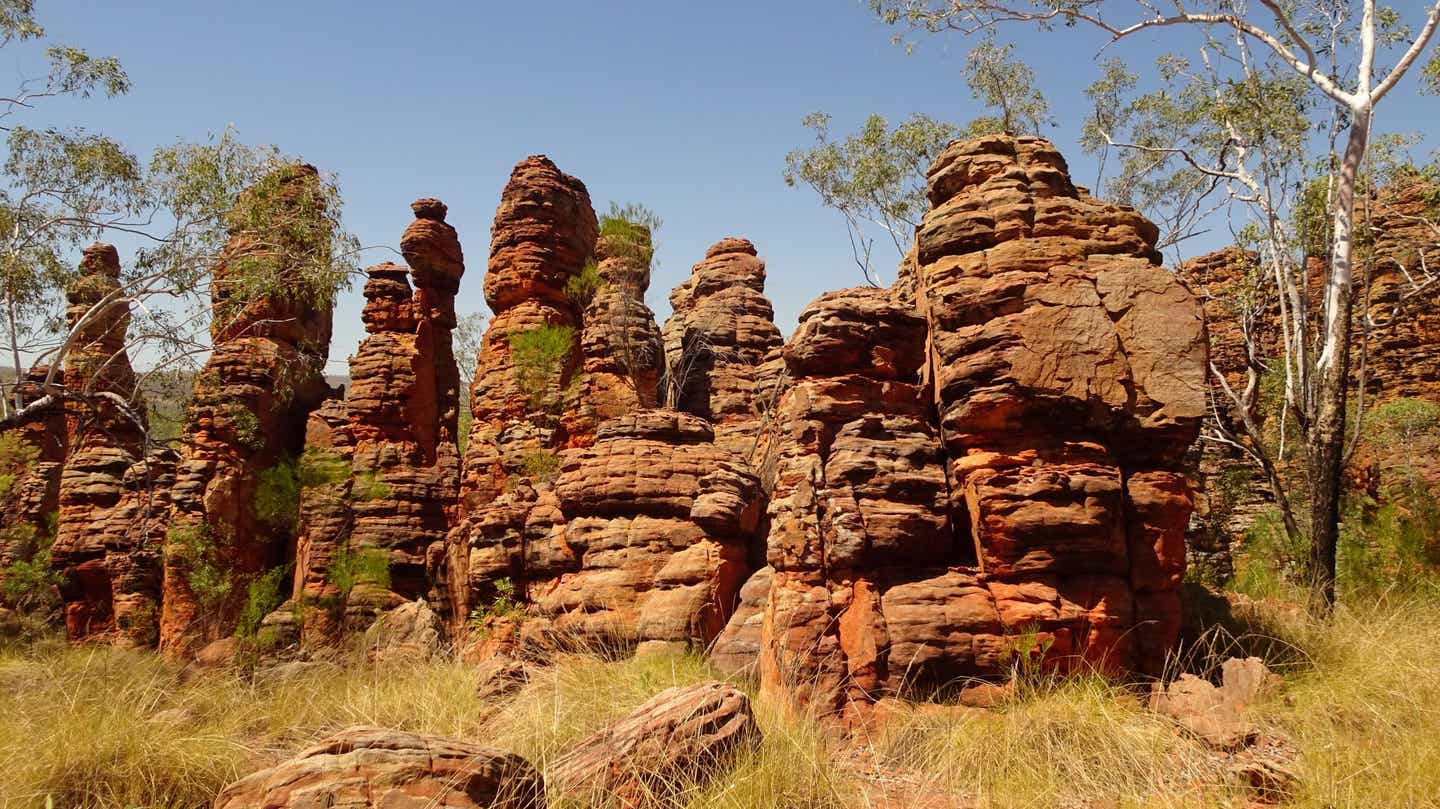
[368,486]
[262,596]
[277,495]
[541,466]
[580,289]
[353,567]
[194,544]
[16,456]
[29,582]
[321,467]
[1403,420]
[503,604]
[539,356]
[628,231]
[244,425]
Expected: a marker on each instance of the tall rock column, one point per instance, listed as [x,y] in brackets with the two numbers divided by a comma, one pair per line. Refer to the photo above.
[620,344]
[544,233]
[104,438]
[382,468]
[718,342]
[1069,371]
[248,413]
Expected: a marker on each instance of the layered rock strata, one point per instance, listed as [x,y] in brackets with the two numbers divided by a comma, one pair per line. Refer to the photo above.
[997,476]
[522,399]
[105,436]
[620,344]
[641,543]
[248,412]
[33,497]
[383,468]
[718,342]
[1403,348]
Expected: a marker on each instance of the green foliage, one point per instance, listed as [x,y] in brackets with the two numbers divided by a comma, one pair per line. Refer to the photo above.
[368,486]
[355,566]
[194,545]
[539,356]
[244,425]
[277,495]
[541,466]
[16,456]
[504,604]
[29,582]
[1401,421]
[581,288]
[876,175]
[321,467]
[262,596]
[1006,86]
[628,231]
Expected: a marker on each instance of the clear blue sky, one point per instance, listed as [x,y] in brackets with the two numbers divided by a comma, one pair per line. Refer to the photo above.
[687,107]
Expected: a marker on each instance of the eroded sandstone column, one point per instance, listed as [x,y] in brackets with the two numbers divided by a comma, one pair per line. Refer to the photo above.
[544,233]
[105,437]
[721,334]
[248,414]
[992,480]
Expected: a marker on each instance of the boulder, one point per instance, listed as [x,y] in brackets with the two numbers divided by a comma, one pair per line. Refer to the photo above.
[1216,715]
[375,768]
[679,737]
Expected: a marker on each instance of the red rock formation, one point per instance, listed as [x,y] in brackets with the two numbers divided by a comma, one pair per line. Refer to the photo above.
[105,437]
[33,496]
[721,332]
[247,415]
[1006,486]
[1403,350]
[680,737]
[376,768]
[544,233]
[620,343]
[386,463]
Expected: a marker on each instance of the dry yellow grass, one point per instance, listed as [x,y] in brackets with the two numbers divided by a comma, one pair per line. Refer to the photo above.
[112,729]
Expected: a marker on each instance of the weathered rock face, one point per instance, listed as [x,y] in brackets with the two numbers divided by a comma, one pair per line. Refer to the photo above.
[522,412]
[722,331]
[105,438]
[248,413]
[620,343]
[386,462]
[1403,354]
[997,474]
[374,768]
[641,542]
[1069,371]
[34,493]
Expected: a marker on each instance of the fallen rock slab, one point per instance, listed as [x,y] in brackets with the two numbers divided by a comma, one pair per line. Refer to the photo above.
[365,767]
[680,736]
[1216,715]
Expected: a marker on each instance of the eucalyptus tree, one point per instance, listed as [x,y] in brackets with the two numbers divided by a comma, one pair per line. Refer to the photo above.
[1265,85]
[876,176]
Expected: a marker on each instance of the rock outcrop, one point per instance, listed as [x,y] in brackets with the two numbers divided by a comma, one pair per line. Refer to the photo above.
[621,348]
[375,768]
[271,330]
[384,468]
[676,739]
[718,339]
[521,401]
[641,543]
[996,475]
[1403,350]
[106,436]
[36,452]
